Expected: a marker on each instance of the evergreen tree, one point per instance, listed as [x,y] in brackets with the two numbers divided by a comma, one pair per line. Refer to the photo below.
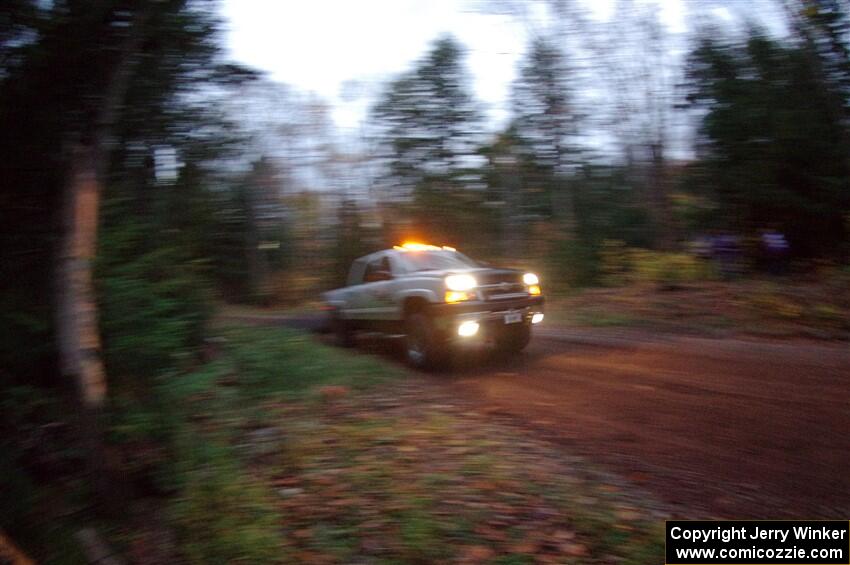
[544,123]
[774,149]
[428,123]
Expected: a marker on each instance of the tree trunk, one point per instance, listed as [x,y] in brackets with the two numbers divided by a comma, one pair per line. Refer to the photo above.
[257,264]
[563,204]
[77,331]
[660,205]
[563,191]
[79,341]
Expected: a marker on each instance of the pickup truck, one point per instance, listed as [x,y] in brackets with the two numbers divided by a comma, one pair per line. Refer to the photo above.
[436,299]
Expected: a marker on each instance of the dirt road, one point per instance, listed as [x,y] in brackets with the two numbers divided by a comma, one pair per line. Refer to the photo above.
[721,427]
[727,428]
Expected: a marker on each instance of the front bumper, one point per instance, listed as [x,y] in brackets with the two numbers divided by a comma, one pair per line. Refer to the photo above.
[484,308]
[490,315]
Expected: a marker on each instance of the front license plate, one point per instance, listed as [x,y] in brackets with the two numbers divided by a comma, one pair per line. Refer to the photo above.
[513,317]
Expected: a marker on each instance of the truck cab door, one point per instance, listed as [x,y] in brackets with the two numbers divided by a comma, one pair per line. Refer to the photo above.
[377,290]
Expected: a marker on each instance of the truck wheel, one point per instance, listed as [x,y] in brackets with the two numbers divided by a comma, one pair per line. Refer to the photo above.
[342,331]
[423,346]
[513,338]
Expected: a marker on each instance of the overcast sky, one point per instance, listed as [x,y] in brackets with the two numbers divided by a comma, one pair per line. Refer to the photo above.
[345,50]
[342,51]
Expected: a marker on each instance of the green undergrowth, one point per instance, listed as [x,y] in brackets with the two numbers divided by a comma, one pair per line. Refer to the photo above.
[212,420]
[39,492]
[282,450]
[267,466]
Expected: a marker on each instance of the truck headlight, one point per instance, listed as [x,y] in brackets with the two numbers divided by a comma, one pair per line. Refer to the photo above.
[530,279]
[461,283]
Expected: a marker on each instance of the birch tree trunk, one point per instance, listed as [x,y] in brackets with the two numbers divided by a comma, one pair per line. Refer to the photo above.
[77,327]
[79,340]
[77,333]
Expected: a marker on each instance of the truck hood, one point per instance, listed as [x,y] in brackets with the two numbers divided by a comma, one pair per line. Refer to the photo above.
[484,275]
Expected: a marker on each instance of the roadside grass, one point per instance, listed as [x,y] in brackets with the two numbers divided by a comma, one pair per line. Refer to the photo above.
[227,311]
[814,309]
[292,451]
[284,450]
[223,514]
[221,417]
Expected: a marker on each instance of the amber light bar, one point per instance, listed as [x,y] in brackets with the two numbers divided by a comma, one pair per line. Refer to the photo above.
[414,246]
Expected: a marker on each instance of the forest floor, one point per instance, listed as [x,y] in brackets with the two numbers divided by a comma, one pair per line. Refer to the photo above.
[767,308]
[344,458]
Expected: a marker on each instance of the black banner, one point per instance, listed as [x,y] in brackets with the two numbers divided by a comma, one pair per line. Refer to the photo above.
[758,542]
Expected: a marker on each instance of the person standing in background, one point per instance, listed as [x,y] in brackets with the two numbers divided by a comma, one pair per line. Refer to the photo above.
[775,250]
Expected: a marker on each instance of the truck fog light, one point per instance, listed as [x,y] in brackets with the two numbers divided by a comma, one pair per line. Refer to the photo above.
[537,318]
[467,329]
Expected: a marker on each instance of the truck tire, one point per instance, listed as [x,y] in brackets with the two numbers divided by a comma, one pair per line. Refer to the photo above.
[424,348]
[341,328]
[513,338]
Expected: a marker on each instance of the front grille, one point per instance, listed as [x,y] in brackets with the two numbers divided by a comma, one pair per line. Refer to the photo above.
[503,286]
[498,277]
[501,293]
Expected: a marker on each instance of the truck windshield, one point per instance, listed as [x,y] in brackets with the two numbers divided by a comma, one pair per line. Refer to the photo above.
[436,260]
